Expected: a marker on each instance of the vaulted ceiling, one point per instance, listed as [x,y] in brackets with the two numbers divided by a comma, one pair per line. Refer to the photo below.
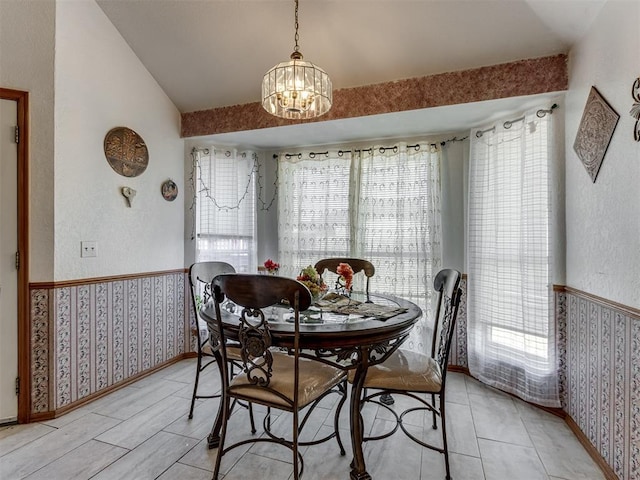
[214,53]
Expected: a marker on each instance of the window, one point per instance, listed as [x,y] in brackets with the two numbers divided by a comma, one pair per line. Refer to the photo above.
[226,210]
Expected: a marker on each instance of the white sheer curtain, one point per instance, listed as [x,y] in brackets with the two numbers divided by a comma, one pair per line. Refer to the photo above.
[226,207]
[381,204]
[511,333]
[398,226]
[313,208]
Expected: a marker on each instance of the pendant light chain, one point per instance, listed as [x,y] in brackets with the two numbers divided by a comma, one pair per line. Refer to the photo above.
[297,37]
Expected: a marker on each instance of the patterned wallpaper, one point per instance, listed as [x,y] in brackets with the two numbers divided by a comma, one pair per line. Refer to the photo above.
[601,377]
[89,336]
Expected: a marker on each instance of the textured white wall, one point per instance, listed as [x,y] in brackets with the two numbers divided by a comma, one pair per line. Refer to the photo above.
[100,84]
[603,218]
[26,63]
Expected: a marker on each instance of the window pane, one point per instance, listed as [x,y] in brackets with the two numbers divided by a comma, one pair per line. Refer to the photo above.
[226,212]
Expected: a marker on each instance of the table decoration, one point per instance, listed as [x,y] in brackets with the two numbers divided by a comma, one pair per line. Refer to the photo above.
[271,267]
[343,305]
[311,278]
[344,283]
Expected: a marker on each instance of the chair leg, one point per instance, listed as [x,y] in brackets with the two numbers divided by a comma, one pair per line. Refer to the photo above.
[226,407]
[444,439]
[232,373]
[253,423]
[296,466]
[336,420]
[433,412]
[195,385]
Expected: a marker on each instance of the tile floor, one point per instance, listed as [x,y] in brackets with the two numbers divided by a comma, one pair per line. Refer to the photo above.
[142,432]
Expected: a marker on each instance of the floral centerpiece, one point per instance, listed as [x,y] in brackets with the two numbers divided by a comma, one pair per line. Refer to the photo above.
[311,278]
[271,267]
[344,282]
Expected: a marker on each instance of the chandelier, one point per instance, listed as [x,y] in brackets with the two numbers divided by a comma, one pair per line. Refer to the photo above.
[296,89]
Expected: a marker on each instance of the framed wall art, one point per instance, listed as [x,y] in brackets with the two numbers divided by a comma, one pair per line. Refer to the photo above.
[126,152]
[169,190]
[596,128]
[635,108]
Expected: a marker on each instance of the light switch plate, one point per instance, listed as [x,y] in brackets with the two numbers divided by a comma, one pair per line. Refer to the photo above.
[88,249]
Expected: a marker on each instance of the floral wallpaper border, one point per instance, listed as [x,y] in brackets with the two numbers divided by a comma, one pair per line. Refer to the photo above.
[90,336]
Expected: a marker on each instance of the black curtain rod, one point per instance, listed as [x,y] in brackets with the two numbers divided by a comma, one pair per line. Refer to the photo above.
[416,147]
[507,125]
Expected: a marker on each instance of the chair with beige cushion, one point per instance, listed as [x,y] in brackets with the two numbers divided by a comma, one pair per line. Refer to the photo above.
[200,276]
[356,264]
[414,374]
[275,379]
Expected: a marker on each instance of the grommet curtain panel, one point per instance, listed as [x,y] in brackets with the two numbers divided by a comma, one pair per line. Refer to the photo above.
[381,204]
[511,332]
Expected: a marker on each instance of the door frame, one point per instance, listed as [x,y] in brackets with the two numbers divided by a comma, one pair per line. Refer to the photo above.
[24,368]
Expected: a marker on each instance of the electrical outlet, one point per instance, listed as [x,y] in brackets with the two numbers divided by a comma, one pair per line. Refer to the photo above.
[88,249]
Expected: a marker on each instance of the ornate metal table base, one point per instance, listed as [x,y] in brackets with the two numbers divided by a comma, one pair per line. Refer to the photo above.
[213,440]
[371,346]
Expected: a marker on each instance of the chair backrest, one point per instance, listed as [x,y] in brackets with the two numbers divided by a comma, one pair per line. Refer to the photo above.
[447,284]
[356,264]
[252,294]
[201,274]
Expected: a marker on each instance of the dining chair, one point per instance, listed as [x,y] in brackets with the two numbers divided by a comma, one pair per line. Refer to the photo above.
[356,264]
[283,381]
[412,374]
[200,276]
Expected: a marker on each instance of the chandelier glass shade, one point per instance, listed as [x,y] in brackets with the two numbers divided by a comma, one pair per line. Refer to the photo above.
[296,90]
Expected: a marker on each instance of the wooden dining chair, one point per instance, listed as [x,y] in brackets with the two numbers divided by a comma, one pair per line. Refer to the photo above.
[413,374]
[200,276]
[279,380]
[356,264]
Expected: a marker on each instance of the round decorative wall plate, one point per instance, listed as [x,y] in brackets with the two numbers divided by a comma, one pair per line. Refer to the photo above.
[169,190]
[126,151]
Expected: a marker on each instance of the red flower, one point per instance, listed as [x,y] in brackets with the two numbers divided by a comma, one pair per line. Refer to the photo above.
[346,272]
[271,266]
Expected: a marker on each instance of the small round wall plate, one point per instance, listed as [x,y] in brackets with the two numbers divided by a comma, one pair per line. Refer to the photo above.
[126,152]
[169,190]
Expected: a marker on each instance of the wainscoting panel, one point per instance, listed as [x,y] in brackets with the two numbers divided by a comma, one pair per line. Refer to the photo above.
[87,337]
[600,375]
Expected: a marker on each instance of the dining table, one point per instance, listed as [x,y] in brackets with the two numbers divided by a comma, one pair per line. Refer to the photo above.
[363,331]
